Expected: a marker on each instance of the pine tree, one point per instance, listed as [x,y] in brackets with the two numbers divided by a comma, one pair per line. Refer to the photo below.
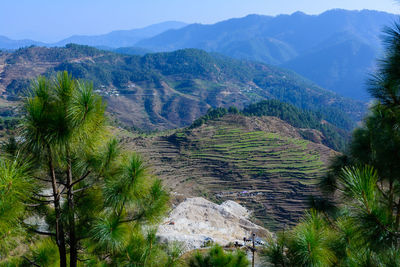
[364,229]
[92,195]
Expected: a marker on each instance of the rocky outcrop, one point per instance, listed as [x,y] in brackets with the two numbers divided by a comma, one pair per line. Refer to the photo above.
[197,221]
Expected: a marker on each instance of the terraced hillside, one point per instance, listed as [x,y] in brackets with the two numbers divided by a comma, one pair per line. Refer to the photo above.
[263,162]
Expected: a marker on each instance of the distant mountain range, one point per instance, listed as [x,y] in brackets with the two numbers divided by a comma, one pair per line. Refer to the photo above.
[124,38]
[109,41]
[9,44]
[336,49]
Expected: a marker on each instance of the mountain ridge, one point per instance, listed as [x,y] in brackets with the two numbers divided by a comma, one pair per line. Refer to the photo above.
[112,40]
[284,38]
[319,47]
[121,38]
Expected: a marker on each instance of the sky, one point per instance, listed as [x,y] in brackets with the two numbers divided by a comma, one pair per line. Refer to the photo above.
[53,20]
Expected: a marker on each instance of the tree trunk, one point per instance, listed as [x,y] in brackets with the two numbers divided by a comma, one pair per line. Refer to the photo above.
[73,253]
[60,239]
[391,205]
[398,216]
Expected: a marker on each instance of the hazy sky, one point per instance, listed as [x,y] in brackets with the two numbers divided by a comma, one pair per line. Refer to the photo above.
[52,20]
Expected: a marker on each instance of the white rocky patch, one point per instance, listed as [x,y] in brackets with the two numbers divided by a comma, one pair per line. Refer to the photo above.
[197,221]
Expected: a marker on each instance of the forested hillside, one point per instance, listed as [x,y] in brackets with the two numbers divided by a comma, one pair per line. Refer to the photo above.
[169,90]
[307,120]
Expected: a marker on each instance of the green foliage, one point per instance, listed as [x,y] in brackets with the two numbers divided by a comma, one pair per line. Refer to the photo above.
[274,252]
[109,234]
[45,253]
[217,257]
[144,250]
[362,233]
[364,230]
[308,244]
[16,187]
[212,114]
[334,137]
[360,185]
[100,195]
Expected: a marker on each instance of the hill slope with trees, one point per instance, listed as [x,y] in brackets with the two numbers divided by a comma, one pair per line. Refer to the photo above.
[170,90]
[314,127]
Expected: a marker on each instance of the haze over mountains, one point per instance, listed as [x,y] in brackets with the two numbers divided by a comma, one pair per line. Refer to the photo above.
[114,39]
[122,38]
[336,49]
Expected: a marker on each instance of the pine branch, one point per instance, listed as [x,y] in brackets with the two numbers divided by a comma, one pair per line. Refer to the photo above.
[41,195]
[48,181]
[31,262]
[382,225]
[41,233]
[382,192]
[80,179]
[41,200]
[63,190]
[33,205]
[82,189]
[134,218]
